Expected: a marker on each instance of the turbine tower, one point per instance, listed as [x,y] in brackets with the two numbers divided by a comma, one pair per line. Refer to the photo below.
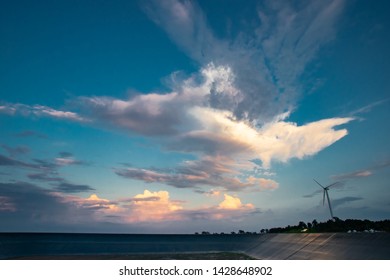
[326,189]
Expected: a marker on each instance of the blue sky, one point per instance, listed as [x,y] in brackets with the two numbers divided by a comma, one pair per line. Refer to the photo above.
[183,116]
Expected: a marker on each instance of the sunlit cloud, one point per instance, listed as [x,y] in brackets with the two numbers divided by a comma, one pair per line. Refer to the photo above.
[231,203]
[142,208]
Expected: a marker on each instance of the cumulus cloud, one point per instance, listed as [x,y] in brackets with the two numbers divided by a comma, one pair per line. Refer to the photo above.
[149,207]
[231,202]
[153,206]
[189,124]
[280,140]
[164,209]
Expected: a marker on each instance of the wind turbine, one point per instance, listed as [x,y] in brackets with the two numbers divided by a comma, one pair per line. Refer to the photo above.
[327,196]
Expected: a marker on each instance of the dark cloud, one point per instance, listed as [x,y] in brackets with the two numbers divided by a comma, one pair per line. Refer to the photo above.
[28,207]
[344,200]
[33,206]
[73,188]
[16,151]
[6,161]
[46,177]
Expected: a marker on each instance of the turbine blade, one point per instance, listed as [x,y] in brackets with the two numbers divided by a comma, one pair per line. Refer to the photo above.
[332,185]
[319,184]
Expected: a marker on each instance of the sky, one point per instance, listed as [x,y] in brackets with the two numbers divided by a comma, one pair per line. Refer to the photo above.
[188,116]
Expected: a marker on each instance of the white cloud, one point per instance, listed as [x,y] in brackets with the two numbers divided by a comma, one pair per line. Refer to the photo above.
[231,203]
[279,141]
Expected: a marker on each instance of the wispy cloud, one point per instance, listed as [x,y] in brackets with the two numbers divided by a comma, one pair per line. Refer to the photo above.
[362,173]
[209,171]
[352,175]
[73,188]
[30,133]
[6,161]
[39,111]
[369,107]
[50,176]
[340,201]
[16,151]
[267,61]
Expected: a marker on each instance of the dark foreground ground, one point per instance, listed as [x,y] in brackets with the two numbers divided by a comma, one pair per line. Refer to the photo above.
[312,246]
[150,256]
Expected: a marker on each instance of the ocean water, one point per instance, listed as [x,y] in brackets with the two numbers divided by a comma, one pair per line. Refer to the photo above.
[44,244]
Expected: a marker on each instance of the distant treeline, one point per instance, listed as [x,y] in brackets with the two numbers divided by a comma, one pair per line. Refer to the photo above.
[335,225]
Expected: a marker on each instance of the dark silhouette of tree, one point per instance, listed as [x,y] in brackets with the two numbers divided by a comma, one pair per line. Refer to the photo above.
[336,225]
[333,225]
[302,225]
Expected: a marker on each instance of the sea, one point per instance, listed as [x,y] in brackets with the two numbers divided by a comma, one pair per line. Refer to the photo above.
[14,245]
